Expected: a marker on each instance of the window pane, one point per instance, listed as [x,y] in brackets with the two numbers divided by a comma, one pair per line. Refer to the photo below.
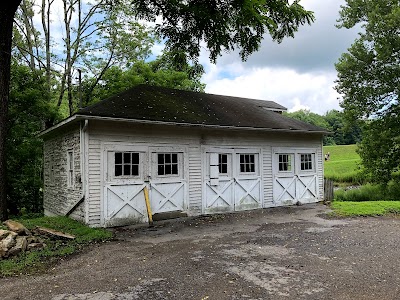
[252,168]
[242,168]
[224,158]
[224,169]
[167,158]
[175,169]
[118,157]
[167,169]
[160,169]
[127,169]
[135,158]
[252,158]
[135,170]
[161,159]
[118,170]
[127,158]
[241,158]
[175,158]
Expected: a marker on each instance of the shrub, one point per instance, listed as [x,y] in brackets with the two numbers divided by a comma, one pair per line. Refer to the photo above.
[370,192]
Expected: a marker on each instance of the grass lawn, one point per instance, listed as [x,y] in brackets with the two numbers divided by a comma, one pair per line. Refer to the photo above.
[343,165]
[34,261]
[366,208]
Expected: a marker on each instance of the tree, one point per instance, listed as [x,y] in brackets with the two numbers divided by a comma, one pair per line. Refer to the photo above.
[28,107]
[343,133]
[7,12]
[222,24]
[314,119]
[160,72]
[97,36]
[369,80]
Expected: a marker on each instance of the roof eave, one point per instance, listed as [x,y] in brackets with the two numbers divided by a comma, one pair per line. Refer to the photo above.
[59,125]
[112,119]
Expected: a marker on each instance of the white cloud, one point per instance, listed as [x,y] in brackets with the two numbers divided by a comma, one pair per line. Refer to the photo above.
[294,90]
[299,73]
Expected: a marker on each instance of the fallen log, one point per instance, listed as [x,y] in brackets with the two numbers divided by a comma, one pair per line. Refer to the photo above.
[54,234]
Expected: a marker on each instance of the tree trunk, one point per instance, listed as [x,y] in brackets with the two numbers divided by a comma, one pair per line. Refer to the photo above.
[7,12]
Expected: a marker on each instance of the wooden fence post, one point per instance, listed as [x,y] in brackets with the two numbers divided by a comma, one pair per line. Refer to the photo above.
[328,191]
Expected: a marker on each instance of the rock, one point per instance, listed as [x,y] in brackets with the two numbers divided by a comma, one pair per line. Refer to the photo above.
[9,241]
[3,252]
[36,246]
[20,246]
[4,233]
[54,234]
[17,227]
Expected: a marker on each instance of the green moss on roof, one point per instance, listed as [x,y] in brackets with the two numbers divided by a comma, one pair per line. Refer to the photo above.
[160,104]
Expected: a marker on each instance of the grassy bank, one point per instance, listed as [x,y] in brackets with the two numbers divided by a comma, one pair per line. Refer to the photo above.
[343,165]
[366,208]
[34,261]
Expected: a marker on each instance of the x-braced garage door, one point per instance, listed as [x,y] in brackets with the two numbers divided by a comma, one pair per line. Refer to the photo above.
[132,168]
[295,176]
[232,180]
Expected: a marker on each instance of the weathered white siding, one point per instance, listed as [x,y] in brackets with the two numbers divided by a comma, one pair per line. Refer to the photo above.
[59,197]
[267,176]
[266,141]
[195,180]
[101,134]
[95,181]
[193,139]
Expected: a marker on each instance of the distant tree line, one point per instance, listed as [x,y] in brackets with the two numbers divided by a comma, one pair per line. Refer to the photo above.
[335,122]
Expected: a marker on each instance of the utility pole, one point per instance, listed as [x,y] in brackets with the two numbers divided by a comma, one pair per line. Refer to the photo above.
[80,87]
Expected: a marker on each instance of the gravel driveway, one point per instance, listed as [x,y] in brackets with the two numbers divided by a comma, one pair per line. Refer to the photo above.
[282,253]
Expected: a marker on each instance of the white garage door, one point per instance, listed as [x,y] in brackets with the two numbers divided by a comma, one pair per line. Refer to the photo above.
[295,176]
[232,180]
[132,168]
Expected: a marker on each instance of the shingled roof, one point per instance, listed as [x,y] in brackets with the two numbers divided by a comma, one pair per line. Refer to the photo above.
[159,104]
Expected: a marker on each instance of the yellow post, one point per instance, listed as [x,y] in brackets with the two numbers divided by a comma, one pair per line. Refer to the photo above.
[146,198]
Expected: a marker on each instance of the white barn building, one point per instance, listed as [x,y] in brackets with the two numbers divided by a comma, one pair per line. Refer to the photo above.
[196,153]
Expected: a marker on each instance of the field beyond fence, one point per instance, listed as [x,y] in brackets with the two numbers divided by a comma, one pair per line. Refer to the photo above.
[343,164]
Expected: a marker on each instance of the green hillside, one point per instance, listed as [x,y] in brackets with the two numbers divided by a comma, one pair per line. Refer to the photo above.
[343,165]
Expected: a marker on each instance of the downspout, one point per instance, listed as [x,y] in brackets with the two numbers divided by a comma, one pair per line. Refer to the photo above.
[84,175]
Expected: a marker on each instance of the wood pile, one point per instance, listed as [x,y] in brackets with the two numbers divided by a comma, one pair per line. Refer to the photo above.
[19,239]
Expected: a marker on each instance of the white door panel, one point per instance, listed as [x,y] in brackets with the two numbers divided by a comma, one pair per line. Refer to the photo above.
[125,204]
[247,194]
[219,198]
[232,182]
[124,201]
[294,179]
[167,197]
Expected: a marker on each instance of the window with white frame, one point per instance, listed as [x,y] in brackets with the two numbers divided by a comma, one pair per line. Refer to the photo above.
[285,162]
[223,163]
[306,162]
[70,168]
[247,163]
[167,164]
[126,164]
